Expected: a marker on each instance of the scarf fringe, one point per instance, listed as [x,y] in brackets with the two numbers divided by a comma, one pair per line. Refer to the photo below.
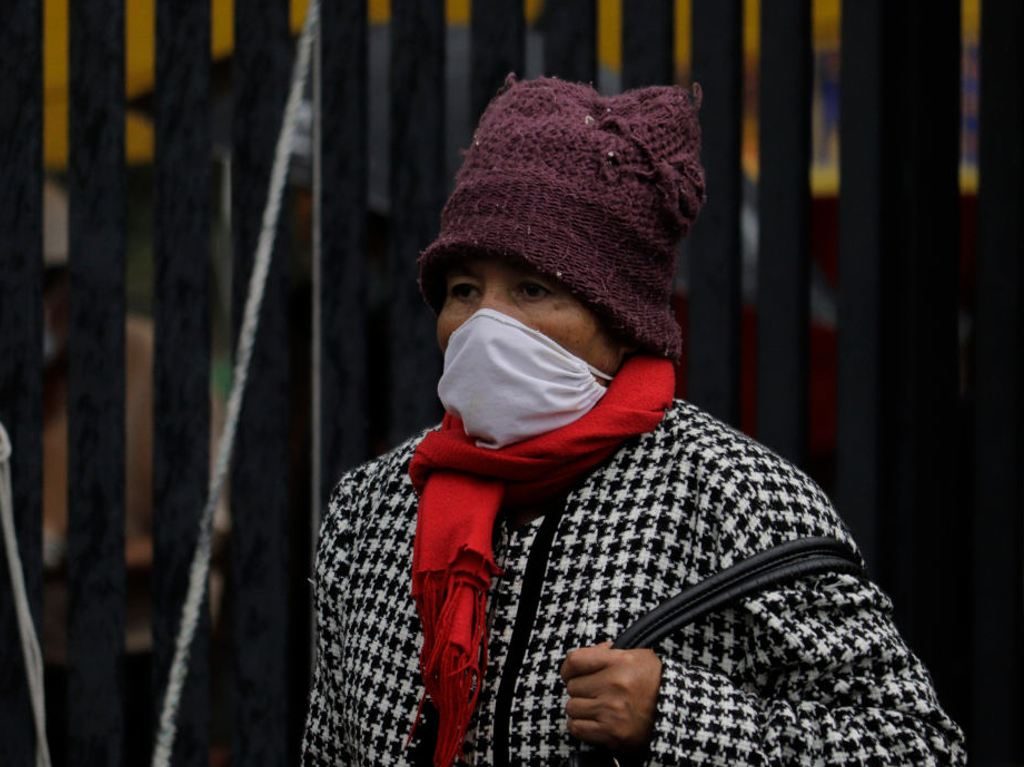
[451,673]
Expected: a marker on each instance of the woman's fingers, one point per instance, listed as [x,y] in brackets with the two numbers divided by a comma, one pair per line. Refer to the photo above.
[594,732]
[614,724]
[584,708]
[588,686]
[586,660]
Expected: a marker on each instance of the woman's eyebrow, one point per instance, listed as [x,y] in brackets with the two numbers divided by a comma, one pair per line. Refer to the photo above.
[460,270]
[535,276]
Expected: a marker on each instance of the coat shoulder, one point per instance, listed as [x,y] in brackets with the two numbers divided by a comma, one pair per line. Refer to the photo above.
[749,495]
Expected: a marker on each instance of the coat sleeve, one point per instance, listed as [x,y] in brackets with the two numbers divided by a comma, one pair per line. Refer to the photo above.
[324,742]
[828,680]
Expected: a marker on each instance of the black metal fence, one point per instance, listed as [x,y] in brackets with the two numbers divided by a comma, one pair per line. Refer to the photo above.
[929,472]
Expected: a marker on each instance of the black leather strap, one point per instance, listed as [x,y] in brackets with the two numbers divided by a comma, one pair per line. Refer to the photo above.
[785,562]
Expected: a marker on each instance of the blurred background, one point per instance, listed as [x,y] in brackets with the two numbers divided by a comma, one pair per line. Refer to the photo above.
[851,296]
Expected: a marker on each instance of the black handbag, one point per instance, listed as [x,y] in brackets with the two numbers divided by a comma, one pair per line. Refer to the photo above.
[782,563]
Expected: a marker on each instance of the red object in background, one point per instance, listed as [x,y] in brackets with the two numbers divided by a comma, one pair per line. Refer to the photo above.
[821,387]
[822,350]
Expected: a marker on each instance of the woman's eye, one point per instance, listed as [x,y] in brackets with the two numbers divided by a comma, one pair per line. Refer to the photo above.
[534,290]
[461,290]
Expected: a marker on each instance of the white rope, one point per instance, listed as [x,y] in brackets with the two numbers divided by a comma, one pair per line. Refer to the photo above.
[26,628]
[200,567]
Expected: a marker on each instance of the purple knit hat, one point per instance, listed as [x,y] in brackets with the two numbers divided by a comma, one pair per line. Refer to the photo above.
[594,191]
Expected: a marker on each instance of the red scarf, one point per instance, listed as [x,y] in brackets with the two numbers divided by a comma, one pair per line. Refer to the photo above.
[462,487]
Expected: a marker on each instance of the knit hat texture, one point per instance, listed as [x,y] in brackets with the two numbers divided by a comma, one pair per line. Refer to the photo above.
[594,191]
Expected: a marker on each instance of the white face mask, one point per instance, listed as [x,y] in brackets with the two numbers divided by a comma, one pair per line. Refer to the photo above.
[508,382]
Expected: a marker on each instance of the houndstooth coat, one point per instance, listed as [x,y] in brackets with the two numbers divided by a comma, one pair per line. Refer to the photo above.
[809,673]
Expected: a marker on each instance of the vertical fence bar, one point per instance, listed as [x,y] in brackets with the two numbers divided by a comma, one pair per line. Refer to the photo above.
[182,350]
[647,43]
[96,239]
[570,40]
[924,568]
[998,616]
[340,279]
[259,481]
[861,199]
[498,31]
[21,341]
[713,358]
[418,187]
[784,196]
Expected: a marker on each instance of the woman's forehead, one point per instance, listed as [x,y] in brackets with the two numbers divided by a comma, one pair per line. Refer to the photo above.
[473,264]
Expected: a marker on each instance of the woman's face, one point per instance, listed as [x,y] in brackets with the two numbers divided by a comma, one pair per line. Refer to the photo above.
[532,298]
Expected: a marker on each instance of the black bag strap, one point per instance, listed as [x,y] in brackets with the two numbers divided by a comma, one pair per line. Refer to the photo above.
[804,556]
[772,567]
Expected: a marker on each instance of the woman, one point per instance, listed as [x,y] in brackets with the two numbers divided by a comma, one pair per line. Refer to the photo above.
[566,494]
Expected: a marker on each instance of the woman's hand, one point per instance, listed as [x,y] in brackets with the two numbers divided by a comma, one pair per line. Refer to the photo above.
[613,695]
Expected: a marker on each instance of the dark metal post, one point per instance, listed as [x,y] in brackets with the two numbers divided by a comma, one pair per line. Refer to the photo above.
[181,435]
[997,695]
[784,195]
[497,48]
[96,181]
[341,222]
[418,187]
[861,211]
[713,357]
[570,40]
[260,482]
[21,343]
[922,548]
[647,51]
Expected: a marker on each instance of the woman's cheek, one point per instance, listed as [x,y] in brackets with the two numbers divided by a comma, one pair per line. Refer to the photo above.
[447,323]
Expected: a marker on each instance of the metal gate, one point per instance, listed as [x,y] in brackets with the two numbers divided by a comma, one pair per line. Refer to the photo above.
[929,457]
